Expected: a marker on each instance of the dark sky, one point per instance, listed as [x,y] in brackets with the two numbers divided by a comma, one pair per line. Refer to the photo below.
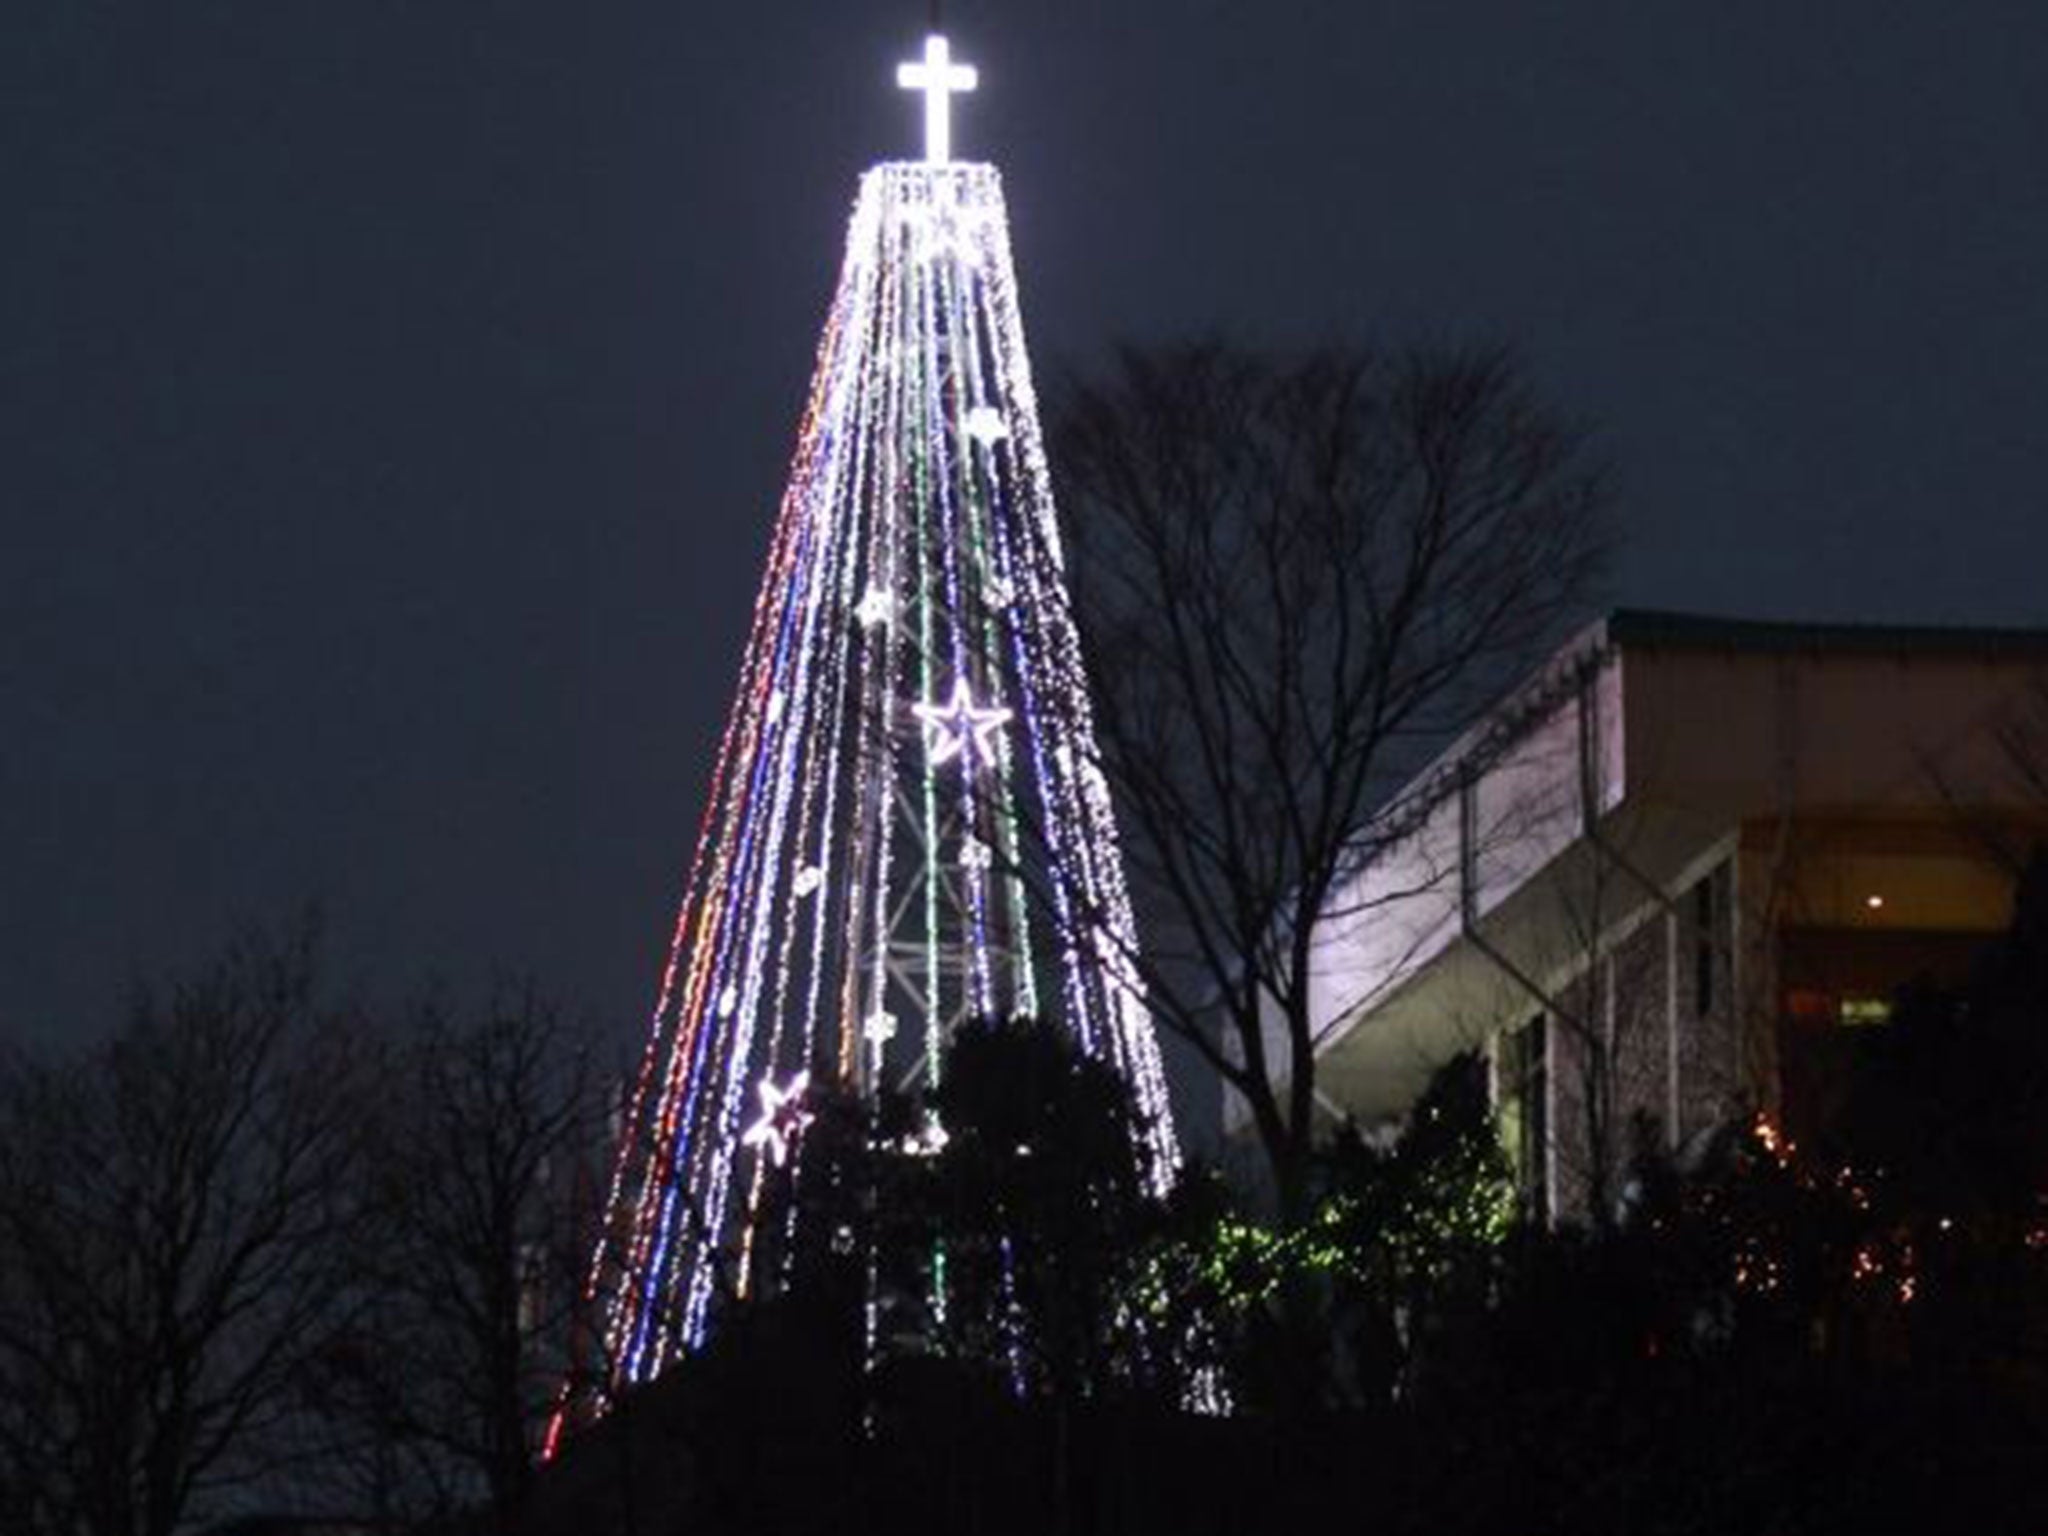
[396,392]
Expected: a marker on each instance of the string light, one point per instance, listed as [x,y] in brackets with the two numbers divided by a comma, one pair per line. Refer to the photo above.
[910,702]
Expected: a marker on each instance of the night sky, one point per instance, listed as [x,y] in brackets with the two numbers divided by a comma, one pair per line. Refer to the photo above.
[396,395]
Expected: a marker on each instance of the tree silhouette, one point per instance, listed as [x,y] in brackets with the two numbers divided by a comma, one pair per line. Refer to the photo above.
[172,1209]
[1295,575]
[478,1184]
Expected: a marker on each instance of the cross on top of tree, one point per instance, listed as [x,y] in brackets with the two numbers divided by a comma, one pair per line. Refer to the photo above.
[938,77]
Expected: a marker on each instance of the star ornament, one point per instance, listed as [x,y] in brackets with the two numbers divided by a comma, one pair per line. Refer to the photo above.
[783,1117]
[986,426]
[960,727]
[875,608]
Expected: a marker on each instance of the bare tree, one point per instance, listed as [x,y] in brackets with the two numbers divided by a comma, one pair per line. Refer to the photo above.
[1605,1022]
[1295,576]
[2002,801]
[477,1186]
[170,1207]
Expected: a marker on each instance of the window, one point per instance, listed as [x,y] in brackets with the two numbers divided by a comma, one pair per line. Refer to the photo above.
[1522,1101]
[1853,1010]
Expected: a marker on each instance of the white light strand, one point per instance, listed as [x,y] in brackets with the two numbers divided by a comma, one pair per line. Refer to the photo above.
[987,506]
[912,683]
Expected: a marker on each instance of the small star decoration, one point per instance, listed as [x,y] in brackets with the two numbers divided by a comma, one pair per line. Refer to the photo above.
[986,426]
[960,726]
[875,607]
[783,1117]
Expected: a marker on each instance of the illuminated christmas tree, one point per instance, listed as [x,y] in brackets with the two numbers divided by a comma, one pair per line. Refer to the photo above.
[907,828]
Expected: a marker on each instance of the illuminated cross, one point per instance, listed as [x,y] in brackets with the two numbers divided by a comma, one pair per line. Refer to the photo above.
[938,77]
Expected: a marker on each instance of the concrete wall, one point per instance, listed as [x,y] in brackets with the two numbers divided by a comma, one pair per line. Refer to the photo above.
[1779,778]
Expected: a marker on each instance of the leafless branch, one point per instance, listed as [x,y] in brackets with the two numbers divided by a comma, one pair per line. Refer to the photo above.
[1294,577]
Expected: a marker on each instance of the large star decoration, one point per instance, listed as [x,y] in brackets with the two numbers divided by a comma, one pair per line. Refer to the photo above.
[783,1118]
[960,726]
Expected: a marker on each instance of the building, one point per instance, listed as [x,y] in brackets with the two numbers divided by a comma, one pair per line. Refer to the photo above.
[1668,877]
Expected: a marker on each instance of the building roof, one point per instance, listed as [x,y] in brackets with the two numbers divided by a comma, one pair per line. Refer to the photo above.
[1692,746]
[1653,629]
[1505,723]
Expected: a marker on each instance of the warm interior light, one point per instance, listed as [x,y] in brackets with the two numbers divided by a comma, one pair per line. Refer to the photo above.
[1873,901]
